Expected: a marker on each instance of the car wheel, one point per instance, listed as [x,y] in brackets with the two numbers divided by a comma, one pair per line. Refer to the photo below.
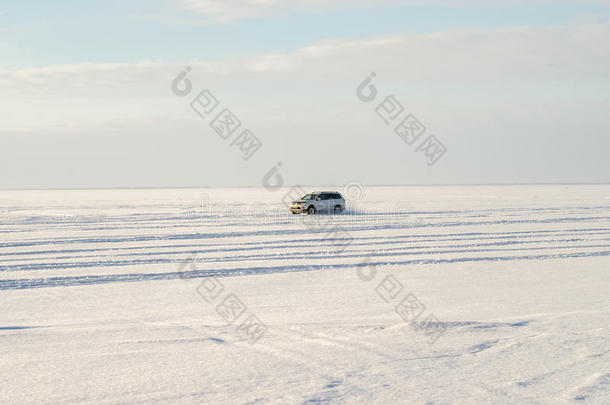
[311,210]
[338,209]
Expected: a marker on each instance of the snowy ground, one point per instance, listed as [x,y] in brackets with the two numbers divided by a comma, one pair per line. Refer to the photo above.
[103,303]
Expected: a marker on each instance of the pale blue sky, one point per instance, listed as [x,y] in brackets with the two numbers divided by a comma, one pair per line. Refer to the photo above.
[518,91]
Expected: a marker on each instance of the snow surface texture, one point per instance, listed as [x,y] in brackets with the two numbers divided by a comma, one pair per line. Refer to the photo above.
[102,298]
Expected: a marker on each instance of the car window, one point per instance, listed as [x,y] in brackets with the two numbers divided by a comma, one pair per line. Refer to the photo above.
[308,197]
[337,196]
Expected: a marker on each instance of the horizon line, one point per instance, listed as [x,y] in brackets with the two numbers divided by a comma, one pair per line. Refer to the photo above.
[307,185]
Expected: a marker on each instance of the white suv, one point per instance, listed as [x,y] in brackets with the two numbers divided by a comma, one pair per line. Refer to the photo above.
[320,201]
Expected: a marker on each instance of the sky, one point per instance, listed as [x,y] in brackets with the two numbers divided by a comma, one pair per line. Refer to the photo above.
[501,91]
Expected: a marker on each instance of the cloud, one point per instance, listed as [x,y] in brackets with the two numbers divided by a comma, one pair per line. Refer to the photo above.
[225,11]
[311,82]
[537,53]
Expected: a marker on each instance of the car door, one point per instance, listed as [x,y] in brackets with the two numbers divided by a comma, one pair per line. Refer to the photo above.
[323,202]
[330,202]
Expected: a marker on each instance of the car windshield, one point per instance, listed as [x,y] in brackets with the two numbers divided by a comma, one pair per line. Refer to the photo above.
[309,197]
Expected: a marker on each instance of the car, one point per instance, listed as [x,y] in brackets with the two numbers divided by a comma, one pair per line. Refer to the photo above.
[331,202]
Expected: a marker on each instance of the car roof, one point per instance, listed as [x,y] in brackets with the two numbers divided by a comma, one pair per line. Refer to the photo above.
[325,192]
